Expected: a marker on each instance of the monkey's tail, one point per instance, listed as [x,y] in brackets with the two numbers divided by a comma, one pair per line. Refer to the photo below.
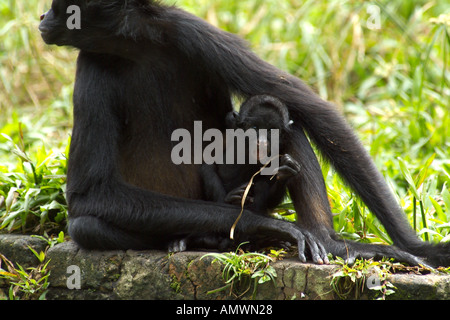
[228,57]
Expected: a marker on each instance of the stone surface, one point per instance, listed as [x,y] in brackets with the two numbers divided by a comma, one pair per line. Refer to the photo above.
[17,248]
[428,287]
[157,275]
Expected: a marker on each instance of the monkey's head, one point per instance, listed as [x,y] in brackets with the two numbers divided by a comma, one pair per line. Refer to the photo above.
[90,24]
[262,112]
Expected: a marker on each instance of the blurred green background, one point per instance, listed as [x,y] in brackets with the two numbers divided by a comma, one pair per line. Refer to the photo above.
[385,64]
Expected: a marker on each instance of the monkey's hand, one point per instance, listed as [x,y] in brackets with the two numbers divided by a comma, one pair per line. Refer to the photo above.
[288,167]
[235,196]
[308,244]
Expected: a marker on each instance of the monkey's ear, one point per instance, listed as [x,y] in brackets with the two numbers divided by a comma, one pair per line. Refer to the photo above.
[232,119]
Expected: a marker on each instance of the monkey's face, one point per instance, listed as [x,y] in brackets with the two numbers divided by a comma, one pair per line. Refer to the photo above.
[61,24]
[82,24]
[261,129]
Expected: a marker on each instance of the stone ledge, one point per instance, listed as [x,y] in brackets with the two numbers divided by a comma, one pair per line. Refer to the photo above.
[156,275]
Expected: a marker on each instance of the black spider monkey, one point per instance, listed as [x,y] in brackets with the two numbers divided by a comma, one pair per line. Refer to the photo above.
[145,69]
[226,183]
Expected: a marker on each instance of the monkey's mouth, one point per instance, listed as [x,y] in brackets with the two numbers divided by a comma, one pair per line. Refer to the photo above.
[50,37]
[44,32]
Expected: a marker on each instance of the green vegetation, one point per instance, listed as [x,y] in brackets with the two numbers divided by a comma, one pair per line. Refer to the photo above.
[34,191]
[26,284]
[353,279]
[392,84]
[243,271]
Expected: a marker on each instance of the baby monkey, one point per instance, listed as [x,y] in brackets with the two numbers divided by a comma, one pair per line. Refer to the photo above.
[227,183]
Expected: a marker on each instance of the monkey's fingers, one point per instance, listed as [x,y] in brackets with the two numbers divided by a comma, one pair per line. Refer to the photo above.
[318,253]
[237,199]
[324,254]
[301,249]
[288,161]
[285,172]
[235,196]
[315,253]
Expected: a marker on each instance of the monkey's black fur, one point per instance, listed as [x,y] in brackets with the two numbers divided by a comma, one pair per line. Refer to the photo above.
[146,69]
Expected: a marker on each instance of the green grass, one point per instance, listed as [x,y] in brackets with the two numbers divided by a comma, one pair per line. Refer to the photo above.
[243,271]
[391,83]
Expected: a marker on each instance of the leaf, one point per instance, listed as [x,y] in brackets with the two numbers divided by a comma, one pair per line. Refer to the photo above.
[408,177]
[440,213]
[389,292]
[7,274]
[10,218]
[40,256]
[10,198]
[29,195]
[22,155]
[60,238]
[375,288]
[427,231]
[423,172]
[263,279]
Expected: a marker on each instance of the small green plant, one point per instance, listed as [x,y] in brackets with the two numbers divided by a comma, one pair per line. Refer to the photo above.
[51,240]
[26,284]
[277,254]
[414,185]
[363,273]
[32,197]
[245,270]
[30,283]
[434,209]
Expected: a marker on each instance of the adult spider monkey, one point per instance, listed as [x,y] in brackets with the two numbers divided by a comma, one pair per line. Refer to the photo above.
[145,69]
